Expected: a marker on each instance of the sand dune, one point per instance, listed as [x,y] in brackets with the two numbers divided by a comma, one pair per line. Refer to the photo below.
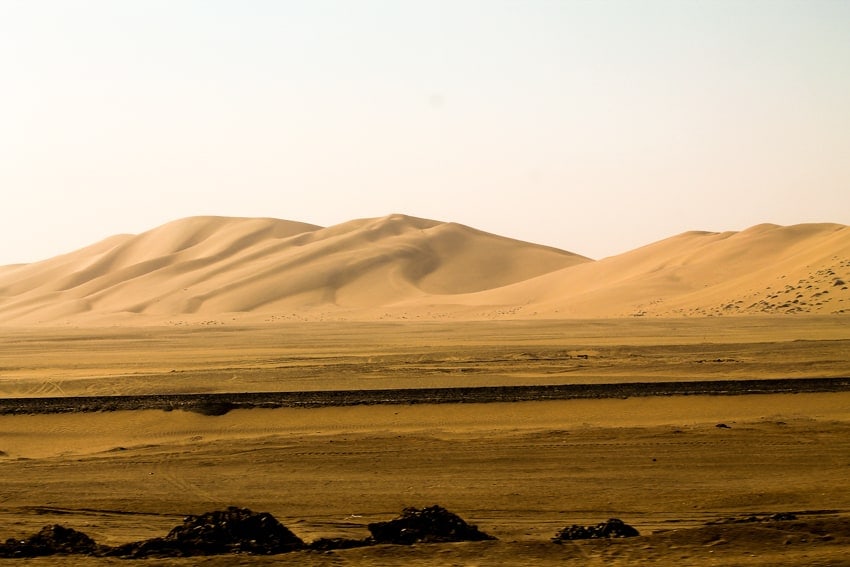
[208,266]
[212,268]
[765,269]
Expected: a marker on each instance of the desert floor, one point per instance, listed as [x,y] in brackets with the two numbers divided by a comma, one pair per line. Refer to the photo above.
[520,471]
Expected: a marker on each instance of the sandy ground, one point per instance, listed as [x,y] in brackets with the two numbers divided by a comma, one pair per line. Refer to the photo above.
[378,355]
[521,471]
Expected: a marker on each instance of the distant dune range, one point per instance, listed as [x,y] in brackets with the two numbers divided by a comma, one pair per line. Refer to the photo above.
[222,269]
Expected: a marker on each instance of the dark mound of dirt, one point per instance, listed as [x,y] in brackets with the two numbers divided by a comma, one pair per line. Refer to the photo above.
[51,540]
[428,525]
[212,407]
[612,528]
[234,530]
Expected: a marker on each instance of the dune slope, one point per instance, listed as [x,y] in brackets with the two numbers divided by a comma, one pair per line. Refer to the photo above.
[206,266]
[765,269]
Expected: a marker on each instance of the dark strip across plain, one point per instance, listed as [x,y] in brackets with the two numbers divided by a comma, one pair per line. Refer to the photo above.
[219,403]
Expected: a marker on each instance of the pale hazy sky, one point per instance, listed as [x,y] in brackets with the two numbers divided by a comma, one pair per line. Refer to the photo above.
[591,126]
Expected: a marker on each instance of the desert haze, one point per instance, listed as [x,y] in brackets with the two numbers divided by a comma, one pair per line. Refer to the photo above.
[704,395]
[249,270]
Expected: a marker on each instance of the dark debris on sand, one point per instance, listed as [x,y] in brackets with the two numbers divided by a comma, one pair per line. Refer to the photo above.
[613,528]
[756,518]
[427,525]
[51,540]
[239,530]
[234,530]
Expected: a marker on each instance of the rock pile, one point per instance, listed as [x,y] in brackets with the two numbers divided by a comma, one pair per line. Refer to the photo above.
[428,525]
[51,540]
[234,530]
[612,528]
[239,530]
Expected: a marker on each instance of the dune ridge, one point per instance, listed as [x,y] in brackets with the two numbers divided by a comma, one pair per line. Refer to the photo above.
[211,269]
[766,269]
[207,266]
